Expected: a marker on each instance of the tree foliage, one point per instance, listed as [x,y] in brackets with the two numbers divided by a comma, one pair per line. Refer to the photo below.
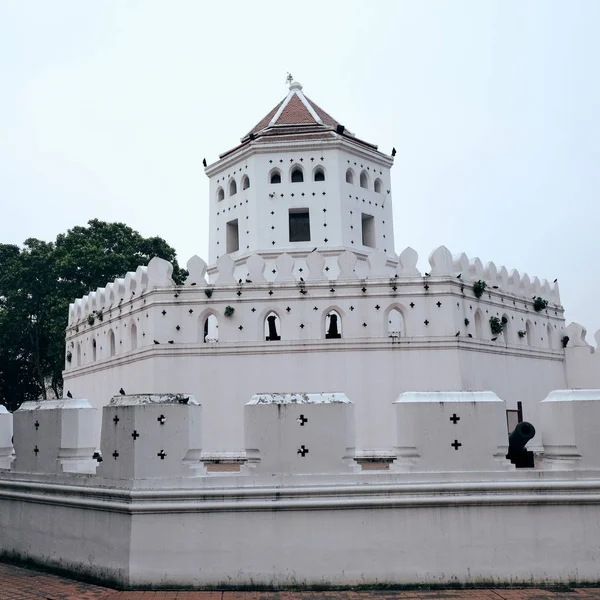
[37,283]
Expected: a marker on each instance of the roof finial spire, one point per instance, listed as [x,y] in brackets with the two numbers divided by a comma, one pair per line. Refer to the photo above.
[289,79]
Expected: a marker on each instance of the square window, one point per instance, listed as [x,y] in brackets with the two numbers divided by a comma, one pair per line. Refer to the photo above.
[233,236]
[299,225]
[368,230]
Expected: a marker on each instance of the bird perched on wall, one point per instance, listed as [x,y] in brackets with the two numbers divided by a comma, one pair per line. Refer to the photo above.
[495,287]
[156,342]
[122,392]
[459,276]
[204,163]
[69,395]
[183,400]
[555,280]
[457,334]
[248,280]
[393,151]
[470,335]
[426,274]
[494,339]
[171,342]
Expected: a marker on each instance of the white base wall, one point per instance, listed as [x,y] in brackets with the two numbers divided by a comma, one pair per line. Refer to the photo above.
[224,380]
[516,529]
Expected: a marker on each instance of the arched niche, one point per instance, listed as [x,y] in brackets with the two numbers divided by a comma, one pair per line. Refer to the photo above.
[478,324]
[319,174]
[395,323]
[272,327]
[111,343]
[349,176]
[94,350]
[245,182]
[133,337]
[377,185]
[220,194]
[78,354]
[529,332]
[297,174]
[364,180]
[232,188]
[275,176]
[333,324]
[209,331]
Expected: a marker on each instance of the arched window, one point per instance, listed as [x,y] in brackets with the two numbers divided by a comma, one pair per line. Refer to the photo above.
[210,331]
[133,337]
[333,325]
[297,175]
[232,188]
[377,186]
[549,336]
[349,176]
[94,354]
[275,176]
[111,342]
[319,174]
[478,325]
[529,333]
[395,323]
[245,182]
[78,354]
[272,327]
[364,180]
[220,194]
[506,330]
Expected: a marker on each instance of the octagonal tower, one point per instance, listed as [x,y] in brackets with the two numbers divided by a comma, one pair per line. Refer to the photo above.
[299,180]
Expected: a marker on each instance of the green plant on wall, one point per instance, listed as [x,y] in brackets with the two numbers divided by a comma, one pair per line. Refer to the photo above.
[69,356]
[467,322]
[208,292]
[91,320]
[564,341]
[496,325]
[229,310]
[539,303]
[522,333]
[479,288]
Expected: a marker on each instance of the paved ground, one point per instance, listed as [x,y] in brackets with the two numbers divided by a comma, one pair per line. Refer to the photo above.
[24,584]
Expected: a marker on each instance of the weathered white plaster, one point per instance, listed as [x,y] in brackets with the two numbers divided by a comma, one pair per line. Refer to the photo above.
[149,436]
[55,436]
[451,431]
[569,419]
[6,443]
[300,433]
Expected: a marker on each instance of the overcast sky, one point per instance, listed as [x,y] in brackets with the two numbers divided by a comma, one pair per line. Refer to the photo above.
[107,109]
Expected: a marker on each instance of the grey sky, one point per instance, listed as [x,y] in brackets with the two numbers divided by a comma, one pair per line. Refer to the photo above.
[107,109]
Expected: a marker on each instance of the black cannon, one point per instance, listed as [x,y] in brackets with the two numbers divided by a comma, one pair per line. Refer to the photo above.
[518,456]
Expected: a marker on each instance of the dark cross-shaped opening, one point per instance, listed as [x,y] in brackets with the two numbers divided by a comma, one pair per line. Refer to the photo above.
[162,419]
[456,444]
[36,425]
[36,450]
[302,419]
[116,419]
[454,418]
[303,451]
[161,454]
[115,454]
[135,435]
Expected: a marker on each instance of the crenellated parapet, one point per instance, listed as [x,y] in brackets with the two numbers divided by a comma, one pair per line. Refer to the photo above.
[313,298]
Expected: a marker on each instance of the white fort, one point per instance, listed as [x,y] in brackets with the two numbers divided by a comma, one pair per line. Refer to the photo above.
[309,408]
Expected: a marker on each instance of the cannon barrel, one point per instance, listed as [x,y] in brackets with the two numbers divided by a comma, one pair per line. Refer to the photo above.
[521,434]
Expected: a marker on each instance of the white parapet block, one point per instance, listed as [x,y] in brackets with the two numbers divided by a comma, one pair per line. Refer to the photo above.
[151,436]
[569,422]
[55,436]
[451,431]
[300,434]
[6,432]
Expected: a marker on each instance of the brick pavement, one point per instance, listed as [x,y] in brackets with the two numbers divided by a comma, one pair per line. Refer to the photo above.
[17,583]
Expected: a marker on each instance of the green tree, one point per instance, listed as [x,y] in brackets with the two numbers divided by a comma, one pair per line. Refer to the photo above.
[38,282]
